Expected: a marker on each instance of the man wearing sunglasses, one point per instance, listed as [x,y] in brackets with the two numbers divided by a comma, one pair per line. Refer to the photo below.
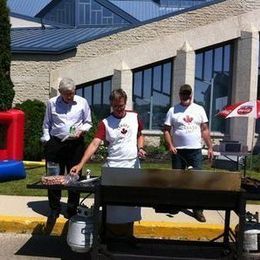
[184,128]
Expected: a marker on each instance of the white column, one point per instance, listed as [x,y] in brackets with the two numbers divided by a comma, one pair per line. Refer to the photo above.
[123,78]
[245,76]
[183,70]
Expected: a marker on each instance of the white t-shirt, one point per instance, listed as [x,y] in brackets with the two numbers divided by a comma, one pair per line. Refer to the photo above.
[186,125]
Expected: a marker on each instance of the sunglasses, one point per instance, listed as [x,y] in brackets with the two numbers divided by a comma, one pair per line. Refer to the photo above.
[185,94]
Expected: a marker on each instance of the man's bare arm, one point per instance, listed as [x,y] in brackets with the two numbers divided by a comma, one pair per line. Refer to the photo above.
[205,133]
[168,139]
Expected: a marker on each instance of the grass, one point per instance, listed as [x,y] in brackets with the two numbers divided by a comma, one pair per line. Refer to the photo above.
[34,174]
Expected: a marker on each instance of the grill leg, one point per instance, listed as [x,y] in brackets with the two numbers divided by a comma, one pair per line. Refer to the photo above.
[226,228]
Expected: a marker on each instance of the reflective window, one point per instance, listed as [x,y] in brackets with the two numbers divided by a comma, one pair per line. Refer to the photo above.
[62,13]
[84,12]
[92,13]
[213,82]
[152,93]
[257,129]
[97,94]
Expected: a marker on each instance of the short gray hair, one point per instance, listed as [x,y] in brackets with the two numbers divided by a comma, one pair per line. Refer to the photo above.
[66,84]
[117,94]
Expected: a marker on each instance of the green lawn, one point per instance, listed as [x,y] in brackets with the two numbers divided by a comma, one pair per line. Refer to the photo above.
[34,174]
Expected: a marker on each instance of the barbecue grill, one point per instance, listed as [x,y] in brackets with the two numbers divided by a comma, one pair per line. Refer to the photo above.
[177,188]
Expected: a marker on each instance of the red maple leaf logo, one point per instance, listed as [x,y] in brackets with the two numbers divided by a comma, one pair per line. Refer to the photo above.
[123,131]
[188,119]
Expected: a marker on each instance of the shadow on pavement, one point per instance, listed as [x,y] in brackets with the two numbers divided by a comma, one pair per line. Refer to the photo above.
[42,207]
[50,246]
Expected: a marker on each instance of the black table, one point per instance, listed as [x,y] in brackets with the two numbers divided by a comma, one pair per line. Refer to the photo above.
[179,189]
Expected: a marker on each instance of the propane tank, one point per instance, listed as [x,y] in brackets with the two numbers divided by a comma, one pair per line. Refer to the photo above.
[80,231]
[251,245]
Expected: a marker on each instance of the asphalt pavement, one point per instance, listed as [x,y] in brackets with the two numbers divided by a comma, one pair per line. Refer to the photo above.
[36,247]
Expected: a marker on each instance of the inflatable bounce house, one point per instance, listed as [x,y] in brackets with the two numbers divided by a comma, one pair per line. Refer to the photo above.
[11,145]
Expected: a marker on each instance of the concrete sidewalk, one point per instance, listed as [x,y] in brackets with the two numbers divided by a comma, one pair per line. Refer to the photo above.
[29,215]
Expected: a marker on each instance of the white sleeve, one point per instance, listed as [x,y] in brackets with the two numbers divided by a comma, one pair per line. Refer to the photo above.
[168,118]
[86,120]
[46,126]
[204,117]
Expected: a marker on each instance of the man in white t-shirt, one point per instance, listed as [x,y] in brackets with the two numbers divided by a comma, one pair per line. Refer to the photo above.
[184,128]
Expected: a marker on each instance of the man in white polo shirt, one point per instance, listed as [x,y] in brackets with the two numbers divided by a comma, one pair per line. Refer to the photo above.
[65,112]
[184,128]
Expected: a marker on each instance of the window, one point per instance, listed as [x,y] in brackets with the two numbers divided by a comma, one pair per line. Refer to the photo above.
[152,93]
[92,13]
[97,94]
[213,75]
[62,13]
[257,127]
[88,12]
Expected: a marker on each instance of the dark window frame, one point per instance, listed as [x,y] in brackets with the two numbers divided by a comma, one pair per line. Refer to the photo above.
[153,90]
[91,85]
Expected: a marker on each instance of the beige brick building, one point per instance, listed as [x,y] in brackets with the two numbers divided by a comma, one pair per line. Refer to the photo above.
[212,47]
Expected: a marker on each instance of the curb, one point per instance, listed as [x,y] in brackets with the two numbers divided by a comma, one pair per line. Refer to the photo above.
[32,225]
[186,231]
[168,230]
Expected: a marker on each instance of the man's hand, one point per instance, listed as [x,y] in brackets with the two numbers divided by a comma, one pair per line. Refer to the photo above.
[210,154]
[168,139]
[78,134]
[141,153]
[172,149]
[76,169]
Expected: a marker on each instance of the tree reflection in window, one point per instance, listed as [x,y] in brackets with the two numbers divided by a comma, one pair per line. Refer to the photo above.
[213,73]
[257,126]
[97,94]
[152,93]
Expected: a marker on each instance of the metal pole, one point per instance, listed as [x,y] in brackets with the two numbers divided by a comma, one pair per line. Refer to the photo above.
[211,101]
[151,113]
[252,145]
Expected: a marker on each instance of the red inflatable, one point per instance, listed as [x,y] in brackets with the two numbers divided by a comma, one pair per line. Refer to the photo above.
[12,134]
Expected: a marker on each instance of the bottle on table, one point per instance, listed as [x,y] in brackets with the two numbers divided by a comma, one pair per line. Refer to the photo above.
[53,168]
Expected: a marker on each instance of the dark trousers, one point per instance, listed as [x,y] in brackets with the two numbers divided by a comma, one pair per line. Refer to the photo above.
[67,154]
[187,157]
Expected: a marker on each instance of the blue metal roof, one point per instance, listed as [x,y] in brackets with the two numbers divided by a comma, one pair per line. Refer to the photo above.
[25,17]
[54,40]
[59,40]
[144,10]
[119,11]
[27,7]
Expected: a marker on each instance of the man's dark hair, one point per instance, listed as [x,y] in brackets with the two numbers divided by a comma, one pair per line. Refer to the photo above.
[117,94]
[185,89]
